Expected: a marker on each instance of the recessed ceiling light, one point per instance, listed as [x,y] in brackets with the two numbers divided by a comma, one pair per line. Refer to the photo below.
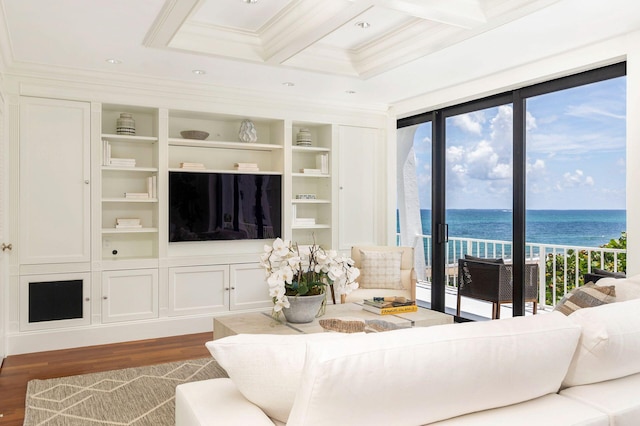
[199,72]
[350,92]
[363,24]
[113,61]
[251,1]
[288,84]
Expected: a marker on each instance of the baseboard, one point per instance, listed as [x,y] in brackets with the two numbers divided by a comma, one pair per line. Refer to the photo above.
[66,338]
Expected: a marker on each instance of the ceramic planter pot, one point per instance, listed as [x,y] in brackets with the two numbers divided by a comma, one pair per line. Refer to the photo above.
[303,309]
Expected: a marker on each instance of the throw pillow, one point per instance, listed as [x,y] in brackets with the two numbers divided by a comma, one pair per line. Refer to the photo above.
[608,273]
[587,296]
[266,368]
[380,269]
[499,261]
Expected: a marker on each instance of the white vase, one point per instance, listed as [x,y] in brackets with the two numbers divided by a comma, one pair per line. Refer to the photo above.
[248,132]
[303,309]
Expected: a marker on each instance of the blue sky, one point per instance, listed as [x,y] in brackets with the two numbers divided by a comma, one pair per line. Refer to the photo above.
[575,152]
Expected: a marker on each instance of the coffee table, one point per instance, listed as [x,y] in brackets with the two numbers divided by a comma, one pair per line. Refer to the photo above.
[263,323]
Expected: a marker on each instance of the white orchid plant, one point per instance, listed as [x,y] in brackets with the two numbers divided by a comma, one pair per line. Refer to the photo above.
[294,270]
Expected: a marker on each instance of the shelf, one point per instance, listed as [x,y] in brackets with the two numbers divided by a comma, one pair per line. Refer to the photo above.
[310,201]
[231,171]
[128,230]
[316,226]
[129,169]
[311,175]
[224,145]
[311,149]
[129,200]
[129,138]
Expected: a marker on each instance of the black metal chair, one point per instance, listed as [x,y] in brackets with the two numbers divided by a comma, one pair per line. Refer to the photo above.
[493,282]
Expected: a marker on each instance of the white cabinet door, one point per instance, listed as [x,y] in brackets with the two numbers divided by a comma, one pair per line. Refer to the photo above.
[249,289]
[358,203]
[198,289]
[54,181]
[129,295]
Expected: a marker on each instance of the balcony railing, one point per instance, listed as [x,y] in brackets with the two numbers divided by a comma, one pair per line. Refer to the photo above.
[561,268]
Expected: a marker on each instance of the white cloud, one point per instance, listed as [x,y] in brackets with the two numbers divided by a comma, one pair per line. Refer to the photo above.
[589,111]
[470,123]
[577,178]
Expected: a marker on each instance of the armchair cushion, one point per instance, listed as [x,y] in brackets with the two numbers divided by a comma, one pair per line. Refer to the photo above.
[380,269]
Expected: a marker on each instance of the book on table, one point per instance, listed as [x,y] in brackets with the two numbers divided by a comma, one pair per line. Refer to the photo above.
[389,305]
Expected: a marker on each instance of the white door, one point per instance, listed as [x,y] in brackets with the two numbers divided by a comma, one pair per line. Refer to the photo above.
[5,251]
[54,181]
[359,172]
[198,289]
[249,288]
[129,295]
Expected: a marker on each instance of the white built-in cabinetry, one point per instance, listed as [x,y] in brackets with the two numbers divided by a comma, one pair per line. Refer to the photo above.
[55,191]
[217,288]
[129,295]
[72,198]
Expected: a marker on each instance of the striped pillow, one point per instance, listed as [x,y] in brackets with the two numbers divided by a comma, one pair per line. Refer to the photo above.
[587,296]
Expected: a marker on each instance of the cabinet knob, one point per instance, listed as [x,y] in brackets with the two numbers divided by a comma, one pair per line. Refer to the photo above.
[104,297]
[233,288]
[86,181]
[6,247]
[226,289]
[87,299]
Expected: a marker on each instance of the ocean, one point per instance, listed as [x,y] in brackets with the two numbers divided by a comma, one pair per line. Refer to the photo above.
[587,228]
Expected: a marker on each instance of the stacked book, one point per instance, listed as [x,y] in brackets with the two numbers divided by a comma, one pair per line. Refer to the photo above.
[311,171]
[322,163]
[247,167]
[301,221]
[122,223]
[118,162]
[136,195]
[122,162]
[152,183]
[389,305]
[192,166]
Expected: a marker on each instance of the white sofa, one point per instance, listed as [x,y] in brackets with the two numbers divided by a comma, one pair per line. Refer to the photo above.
[551,369]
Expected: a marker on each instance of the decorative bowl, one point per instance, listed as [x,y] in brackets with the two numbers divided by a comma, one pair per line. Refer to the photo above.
[194,134]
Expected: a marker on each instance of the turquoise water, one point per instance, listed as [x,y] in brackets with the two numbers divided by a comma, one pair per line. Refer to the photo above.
[590,228]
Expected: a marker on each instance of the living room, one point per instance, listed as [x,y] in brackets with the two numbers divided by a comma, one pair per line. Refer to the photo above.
[105,59]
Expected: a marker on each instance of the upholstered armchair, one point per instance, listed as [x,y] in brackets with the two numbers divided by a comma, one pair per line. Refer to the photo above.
[384,271]
[492,281]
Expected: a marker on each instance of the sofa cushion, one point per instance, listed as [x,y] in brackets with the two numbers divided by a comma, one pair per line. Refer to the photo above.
[266,368]
[556,410]
[626,289]
[216,401]
[609,344]
[380,269]
[587,296]
[480,365]
[619,398]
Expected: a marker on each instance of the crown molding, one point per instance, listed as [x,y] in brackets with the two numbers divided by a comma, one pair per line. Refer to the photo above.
[65,83]
[172,16]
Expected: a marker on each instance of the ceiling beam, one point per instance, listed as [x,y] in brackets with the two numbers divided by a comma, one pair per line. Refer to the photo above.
[459,13]
[306,24]
[173,15]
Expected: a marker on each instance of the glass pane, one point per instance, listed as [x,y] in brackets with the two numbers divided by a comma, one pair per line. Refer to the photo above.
[479,189]
[576,182]
[414,193]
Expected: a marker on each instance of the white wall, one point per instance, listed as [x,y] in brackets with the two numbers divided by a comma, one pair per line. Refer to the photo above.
[593,56]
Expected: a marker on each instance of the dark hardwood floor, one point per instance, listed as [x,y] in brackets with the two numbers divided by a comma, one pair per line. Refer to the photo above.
[17,370]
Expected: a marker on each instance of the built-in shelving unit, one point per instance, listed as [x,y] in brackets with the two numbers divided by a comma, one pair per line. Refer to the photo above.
[138,240]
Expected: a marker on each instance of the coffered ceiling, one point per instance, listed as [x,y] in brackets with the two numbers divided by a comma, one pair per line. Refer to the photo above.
[368,52]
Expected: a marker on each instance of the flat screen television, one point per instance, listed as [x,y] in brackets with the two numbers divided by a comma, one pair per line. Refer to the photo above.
[224,206]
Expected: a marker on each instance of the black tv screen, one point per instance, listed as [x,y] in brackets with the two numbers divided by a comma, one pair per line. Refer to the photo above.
[224,206]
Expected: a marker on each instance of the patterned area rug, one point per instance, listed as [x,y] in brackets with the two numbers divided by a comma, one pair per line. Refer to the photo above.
[133,396]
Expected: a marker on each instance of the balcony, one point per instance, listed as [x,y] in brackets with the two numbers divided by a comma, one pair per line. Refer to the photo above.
[561,269]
